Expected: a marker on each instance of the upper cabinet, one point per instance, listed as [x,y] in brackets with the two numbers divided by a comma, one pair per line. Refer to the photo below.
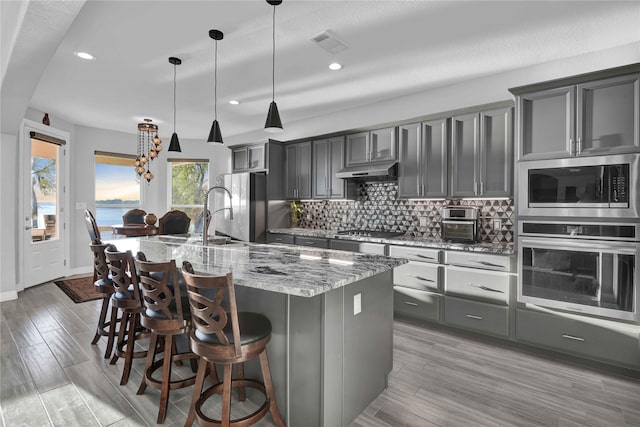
[328,158]
[371,147]
[482,154]
[298,170]
[591,117]
[248,158]
[422,168]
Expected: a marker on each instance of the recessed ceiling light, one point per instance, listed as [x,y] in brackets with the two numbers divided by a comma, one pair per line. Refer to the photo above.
[84,55]
[234,102]
[335,66]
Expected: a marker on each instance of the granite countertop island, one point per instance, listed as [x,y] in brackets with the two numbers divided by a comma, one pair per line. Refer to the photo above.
[292,270]
[331,314]
[424,242]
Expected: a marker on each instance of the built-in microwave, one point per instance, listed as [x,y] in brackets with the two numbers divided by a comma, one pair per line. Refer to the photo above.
[596,187]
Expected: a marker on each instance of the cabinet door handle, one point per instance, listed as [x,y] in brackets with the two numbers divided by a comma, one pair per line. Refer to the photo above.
[423,256]
[571,147]
[488,264]
[424,279]
[413,304]
[485,288]
[277,239]
[473,316]
[572,337]
[481,187]
[579,146]
[475,188]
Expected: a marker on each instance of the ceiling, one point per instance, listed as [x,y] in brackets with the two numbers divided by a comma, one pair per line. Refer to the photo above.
[394,48]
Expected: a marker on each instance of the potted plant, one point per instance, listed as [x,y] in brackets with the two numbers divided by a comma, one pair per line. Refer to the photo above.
[296,212]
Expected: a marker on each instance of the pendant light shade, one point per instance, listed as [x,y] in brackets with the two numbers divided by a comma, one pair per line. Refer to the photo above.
[214,134]
[273,123]
[174,145]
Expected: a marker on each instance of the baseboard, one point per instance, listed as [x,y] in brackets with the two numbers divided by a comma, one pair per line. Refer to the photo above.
[80,270]
[8,296]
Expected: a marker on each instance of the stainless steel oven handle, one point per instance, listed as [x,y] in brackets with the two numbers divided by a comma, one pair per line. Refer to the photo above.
[567,243]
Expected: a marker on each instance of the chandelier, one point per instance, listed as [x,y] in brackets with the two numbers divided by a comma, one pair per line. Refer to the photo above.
[148,148]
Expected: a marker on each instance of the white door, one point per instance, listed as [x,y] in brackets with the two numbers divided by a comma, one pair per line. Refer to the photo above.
[43,171]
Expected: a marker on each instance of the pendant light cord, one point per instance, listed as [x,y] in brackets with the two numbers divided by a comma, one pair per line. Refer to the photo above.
[174,98]
[215,84]
[273,62]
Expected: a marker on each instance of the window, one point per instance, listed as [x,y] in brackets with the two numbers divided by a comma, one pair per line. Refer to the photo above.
[117,189]
[44,192]
[189,182]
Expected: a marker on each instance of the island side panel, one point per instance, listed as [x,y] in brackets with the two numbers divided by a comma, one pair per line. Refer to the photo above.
[333,351]
[368,343]
[275,307]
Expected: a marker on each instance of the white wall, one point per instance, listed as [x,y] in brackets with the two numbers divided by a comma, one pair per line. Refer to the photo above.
[8,215]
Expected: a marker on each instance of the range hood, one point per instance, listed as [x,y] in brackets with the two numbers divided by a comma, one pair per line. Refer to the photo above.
[377,171]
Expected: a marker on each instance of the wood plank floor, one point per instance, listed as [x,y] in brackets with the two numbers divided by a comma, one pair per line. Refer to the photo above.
[50,374]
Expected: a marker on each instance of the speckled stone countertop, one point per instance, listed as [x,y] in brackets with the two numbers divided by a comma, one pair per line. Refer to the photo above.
[425,242]
[293,270]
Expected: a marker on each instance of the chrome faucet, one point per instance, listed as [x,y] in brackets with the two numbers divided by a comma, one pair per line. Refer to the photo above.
[205,213]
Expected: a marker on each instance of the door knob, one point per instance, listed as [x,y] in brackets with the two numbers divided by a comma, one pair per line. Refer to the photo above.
[28,227]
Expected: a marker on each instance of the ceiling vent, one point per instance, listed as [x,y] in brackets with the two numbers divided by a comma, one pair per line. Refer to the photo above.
[328,41]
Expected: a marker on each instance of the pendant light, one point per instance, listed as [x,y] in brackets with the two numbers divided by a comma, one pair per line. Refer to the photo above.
[215,135]
[174,145]
[273,123]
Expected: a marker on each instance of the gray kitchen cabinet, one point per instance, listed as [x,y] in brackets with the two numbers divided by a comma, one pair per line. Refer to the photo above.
[316,242]
[355,246]
[417,284]
[477,316]
[479,291]
[612,342]
[280,238]
[248,158]
[482,154]
[422,168]
[371,146]
[594,117]
[298,170]
[328,158]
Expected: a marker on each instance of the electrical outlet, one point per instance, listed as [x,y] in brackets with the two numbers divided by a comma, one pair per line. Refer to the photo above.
[357,304]
[423,221]
[497,225]
[344,218]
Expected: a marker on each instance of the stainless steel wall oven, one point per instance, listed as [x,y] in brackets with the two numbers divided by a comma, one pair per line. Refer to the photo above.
[598,187]
[584,267]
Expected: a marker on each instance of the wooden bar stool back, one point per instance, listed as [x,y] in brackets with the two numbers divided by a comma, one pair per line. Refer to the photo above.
[104,286]
[92,227]
[226,338]
[126,297]
[166,314]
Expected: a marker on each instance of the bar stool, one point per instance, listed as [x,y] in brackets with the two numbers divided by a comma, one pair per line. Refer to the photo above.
[104,287]
[166,315]
[126,297]
[225,338]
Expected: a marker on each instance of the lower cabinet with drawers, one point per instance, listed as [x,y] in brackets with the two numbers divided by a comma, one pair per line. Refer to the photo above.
[417,285]
[479,290]
[604,340]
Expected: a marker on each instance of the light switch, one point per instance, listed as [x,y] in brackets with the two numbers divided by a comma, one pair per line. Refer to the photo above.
[357,304]
[423,221]
[497,225]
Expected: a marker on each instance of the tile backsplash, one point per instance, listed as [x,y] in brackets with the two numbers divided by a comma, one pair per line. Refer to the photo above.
[378,208]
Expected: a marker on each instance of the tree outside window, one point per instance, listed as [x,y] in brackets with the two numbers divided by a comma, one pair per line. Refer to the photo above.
[189,182]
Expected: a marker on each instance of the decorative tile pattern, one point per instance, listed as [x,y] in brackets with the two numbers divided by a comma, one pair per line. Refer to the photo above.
[378,208]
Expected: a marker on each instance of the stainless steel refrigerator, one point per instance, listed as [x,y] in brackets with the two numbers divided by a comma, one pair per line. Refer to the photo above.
[253,213]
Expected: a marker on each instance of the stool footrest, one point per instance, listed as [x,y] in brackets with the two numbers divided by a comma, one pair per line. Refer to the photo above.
[254,417]
[173,385]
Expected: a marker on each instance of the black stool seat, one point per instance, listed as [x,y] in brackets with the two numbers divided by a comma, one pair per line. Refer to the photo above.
[253,327]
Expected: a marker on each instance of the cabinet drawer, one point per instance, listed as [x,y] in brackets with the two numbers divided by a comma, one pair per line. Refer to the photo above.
[490,286]
[416,254]
[416,304]
[354,246]
[479,316]
[417,275]
[587,337]
[316,242]
[476,260]
[280,238]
